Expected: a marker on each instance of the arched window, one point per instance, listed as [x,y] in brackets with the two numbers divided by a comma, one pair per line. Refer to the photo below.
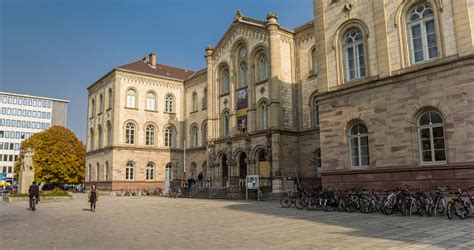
[422,33]
[131,98]
[195,101]
[225,121]
[315,113]
[89,172]
[431,136]
[109,134]
[101,103]
[149,171]
[91,133]
[194,136]
[263,111]
[204,134]
[314,69]
[242,75]
[150,135]
[204,99]
[169,137]
[317,162]
[354,54]
[97,172]
[224,76]
[107,171]
[359,145]
[129,171]
[262,68]
[111,99]
[150,101]
[92,108]
[101,136]
[130,133]
[169,104]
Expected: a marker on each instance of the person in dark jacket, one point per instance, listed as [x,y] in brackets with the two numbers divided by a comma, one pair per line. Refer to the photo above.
[93,197]
[33,191]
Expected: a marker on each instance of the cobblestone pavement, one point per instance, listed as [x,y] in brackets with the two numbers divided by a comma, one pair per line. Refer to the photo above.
[164,223]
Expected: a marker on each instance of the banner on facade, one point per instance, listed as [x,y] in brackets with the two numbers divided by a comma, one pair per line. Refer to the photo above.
[242,122]
[242,99]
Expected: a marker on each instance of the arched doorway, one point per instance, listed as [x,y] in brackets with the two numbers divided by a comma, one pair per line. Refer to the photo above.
[168,177]
[242,168]
[263,168]
[225,170]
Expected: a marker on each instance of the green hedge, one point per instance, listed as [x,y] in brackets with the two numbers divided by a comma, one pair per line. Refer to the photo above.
[45,193]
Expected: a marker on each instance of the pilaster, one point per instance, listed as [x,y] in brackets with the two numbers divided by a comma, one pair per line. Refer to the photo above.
[463,11]
[274,110]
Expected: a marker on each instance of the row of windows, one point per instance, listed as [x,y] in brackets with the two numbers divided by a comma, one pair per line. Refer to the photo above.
[26,113]
[15,135]
[194,101]
[9,146]
[430,138]
[150,104]
[130,134]
[101,103]
[24,124]
[261,71]
[422,40]
[262,120]
[9,158]
[26,101]
[5,168]
[130,167]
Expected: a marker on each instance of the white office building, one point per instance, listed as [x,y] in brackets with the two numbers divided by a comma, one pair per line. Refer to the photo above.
[21,116]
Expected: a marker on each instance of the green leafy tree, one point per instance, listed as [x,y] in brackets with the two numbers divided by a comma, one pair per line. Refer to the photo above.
[59,156]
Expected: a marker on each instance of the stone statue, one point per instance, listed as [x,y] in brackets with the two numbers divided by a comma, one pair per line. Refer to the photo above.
[27,170]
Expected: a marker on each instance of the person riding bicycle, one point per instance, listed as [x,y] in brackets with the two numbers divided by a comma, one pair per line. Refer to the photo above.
[33,191]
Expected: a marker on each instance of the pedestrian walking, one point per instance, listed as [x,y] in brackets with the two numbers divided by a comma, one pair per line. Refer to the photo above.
[93,197]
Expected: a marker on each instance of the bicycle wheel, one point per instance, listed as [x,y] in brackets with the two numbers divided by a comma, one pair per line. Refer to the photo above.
[441,206]
[450,210]
[364,205]
[285,201]
[299,203]
[405,207]
[461,209]
[349,206]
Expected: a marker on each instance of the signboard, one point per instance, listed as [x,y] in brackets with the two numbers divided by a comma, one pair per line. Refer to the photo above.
[252,181]
[242,99]
[4,177]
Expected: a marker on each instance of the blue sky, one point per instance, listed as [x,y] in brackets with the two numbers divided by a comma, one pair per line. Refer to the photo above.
[57,48]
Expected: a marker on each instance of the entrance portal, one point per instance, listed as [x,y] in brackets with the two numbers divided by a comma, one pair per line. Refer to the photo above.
[225,170]
[242,168]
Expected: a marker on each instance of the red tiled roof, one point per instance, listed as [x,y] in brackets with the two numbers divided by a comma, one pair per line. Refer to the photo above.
[160,70]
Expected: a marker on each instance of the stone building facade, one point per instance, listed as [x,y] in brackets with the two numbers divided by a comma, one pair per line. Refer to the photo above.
[369,93]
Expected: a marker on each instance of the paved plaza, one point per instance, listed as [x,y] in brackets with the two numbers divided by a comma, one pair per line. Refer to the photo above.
[165,223]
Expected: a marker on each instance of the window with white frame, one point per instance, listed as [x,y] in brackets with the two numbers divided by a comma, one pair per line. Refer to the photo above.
[262,68]
[110,98]
[225,81]
[169,137]
[422,33]
[204,99]
[431,137]
[204,133]
[130,133]
[263,111]
[129,171]
[169,104]
[109,134]
[101,103]
[92,108]
[150,101]
[359,145]
[194,136]
[242,75]
[354,54]
[101,136]
[91,132]
[225,121]
[149,171]
[195,101]
[131,98]
[150,135]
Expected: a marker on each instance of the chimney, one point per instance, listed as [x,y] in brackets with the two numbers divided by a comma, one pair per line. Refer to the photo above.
[152,59]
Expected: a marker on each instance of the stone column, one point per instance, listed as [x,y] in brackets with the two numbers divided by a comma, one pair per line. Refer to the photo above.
[321,44]
[212,98]
[274,110]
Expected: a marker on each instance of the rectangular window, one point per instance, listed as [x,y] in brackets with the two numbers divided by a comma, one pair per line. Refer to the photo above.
[1,135]
[9,111]
[23,124]
[8,123]
[47,125]
[44,104]
[10,170]
[29,113]
[4,111]
[5,157]
[43,115]
[2,122]
[29,125]
[33,114]
[10,99]
[48,115]
[7,134]
[23,135]
[13,123]
[49,104]
[4,168]
[14,112]
[4,99]
[18,135]
[30,102]
[35,103]
[17,146]
[14,100]
[10,157]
